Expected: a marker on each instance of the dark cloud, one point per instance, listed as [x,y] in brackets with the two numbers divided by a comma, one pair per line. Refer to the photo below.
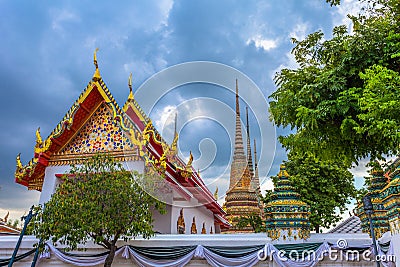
[46,61]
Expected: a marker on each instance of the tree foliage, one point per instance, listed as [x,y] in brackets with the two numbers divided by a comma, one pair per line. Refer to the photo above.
[100,201]
[326,186]
[333,2]
[343,99]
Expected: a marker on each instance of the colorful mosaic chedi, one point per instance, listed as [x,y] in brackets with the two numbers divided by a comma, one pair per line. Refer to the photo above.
[379,217]
[384,190]
[101,133]
[287,217]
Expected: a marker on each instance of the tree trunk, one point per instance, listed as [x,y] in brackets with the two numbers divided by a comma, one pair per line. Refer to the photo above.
[110,257]
[317,229]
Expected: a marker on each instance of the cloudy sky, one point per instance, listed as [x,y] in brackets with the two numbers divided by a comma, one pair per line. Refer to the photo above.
[46,60]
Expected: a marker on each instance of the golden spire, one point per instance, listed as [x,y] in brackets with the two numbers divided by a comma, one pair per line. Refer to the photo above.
[193,229]
[239,163]
[96,75]
[203,229]
[130,97]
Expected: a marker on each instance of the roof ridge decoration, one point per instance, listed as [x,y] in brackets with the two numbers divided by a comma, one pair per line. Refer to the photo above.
[40,145]
[169,152]
[131,102]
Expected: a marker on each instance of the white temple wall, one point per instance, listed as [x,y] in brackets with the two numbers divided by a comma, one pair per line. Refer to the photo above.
[162,222]
[51,182]
[192,209]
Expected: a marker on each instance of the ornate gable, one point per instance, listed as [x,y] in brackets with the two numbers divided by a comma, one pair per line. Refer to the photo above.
[101,133]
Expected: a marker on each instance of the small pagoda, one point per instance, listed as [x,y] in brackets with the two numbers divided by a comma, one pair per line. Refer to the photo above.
[377,181]
[287,217]
[390,196]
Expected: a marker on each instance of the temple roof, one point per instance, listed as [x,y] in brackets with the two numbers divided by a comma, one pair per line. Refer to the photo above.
[6,229]
[95,94]
[151,147]
[351,225]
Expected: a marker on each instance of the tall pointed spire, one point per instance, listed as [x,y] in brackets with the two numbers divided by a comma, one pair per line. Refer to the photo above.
[255,182]
[240,199]
[249,156]
[239,159]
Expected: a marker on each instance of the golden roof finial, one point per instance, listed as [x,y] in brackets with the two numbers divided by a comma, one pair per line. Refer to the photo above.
[130,97]
[174,144]
[216,193]
[95,58]
[39,140]
[18,159]
[189,164]
[130,82]
[96,75]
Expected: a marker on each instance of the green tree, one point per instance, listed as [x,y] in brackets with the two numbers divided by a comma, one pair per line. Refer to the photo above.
[100,201]
[267,198]
[326,186]
[342,102]
[333,2]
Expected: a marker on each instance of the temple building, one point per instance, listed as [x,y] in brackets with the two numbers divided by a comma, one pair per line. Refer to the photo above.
[6,228]
[287,217]
[95,123]
[242,197]
[384,190]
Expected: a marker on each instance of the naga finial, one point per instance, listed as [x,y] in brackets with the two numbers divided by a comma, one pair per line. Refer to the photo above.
[6,218]
[174,144]
[130,97]
[216,193]
[95,58]
[187,171]
[39,140]
[189,164]
[18,159]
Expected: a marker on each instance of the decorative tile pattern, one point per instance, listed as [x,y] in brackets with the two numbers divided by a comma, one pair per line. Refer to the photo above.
[101,133]
[287,217]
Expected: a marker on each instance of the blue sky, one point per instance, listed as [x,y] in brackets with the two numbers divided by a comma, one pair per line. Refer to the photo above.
[46,56]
